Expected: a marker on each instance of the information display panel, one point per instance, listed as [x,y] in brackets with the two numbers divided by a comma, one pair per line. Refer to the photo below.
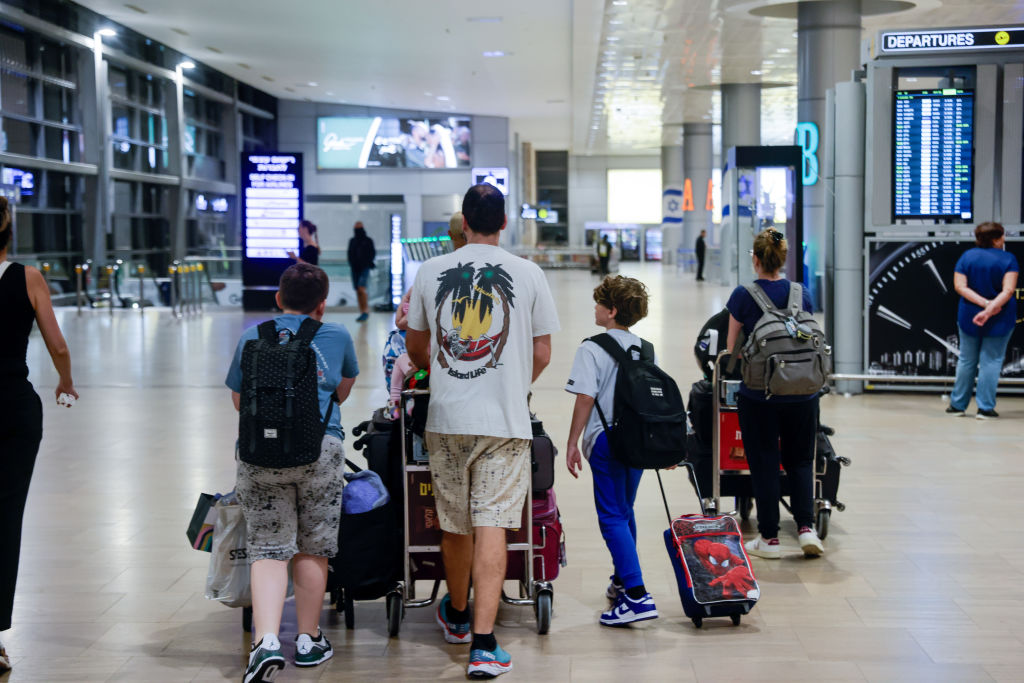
[933,172]
[272,202]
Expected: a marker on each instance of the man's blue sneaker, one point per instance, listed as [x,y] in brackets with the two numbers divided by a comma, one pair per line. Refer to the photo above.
[487,664]
[458,634]
[626,611]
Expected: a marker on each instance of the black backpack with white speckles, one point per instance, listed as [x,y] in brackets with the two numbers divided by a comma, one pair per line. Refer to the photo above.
[279,421]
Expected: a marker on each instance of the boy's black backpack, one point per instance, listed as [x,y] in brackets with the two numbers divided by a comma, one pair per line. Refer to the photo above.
[649,431]
[279,407]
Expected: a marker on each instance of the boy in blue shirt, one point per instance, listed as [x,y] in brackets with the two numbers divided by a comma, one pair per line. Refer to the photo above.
[292,514]
[621,303]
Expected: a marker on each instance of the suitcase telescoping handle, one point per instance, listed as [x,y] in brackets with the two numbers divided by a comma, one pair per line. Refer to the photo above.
[693,480]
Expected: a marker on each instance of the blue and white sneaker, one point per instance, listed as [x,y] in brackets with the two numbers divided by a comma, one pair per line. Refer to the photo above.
[459,634]
[626,611]
[487,664]
[614,588]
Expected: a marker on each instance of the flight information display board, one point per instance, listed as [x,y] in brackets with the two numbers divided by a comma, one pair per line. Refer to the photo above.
[272,203]
[933,154]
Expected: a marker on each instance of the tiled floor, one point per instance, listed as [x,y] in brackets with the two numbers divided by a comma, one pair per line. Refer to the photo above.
[923,578]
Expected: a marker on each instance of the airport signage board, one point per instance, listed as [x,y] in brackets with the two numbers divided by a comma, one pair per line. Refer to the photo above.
[951,40]
[272,202]
[271,207]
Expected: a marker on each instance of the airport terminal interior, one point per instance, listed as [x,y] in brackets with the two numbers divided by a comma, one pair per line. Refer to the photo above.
[159,156]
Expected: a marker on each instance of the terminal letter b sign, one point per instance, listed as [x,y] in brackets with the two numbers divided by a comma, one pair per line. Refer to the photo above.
[807,139]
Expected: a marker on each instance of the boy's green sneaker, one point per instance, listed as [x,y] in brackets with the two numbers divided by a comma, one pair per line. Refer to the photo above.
[265,661]
[309,652]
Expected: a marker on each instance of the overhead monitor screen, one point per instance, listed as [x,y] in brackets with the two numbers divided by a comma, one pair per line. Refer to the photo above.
[933,171]
[272,191]
[392,142]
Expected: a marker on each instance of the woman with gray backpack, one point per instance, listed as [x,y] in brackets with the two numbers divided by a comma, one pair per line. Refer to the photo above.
[785,366]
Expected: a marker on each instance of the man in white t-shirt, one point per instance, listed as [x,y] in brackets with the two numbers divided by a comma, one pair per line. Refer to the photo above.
[482,320]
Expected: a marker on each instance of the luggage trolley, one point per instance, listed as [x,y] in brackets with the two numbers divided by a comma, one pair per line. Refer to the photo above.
[730,473]
[422,541]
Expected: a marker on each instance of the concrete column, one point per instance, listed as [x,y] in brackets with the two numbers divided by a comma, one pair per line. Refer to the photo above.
[697,163]
[177,196]
[828,49]
[529,185]
[741,116]
[848,297]
[671,182]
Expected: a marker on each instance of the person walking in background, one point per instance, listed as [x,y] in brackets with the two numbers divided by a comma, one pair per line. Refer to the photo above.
[25,298]
[782,429]
[985,277]
[491,316]
[604,255]
[700,249]
[310,250]
[361,257]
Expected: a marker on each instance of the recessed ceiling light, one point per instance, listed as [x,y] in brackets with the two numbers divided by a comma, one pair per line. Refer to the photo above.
[755,72]
[443,98]
[619,3]
[783,50]
[484,20]
[615,22]
[429,94]
[215,50]
[108,32]
[186,64]
[290,89]
[244,65]
[768,62]
[612,39]
[135,8]
[312,84]
[268,79]
[494,53]
[180,31]
[329,94]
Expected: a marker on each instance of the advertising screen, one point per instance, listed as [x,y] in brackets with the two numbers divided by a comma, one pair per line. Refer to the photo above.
[391,142]
[912,309]
[272,203]
[933,154]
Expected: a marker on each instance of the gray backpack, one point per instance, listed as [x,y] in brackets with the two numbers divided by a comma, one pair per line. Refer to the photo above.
[786,354]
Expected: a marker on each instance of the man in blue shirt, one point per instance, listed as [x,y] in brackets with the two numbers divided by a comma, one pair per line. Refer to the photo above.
[294,512]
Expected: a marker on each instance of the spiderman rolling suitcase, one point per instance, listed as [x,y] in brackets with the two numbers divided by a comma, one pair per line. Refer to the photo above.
[712,568]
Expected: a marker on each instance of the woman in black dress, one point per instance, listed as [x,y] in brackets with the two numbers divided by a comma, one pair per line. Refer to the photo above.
[310,251]
[25,298]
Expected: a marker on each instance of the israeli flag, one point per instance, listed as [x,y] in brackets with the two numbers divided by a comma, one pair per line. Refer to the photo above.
[672,204]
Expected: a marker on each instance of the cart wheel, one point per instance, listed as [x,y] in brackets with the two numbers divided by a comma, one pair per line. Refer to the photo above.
[247,619]
[744,504]
[697,621]
[543,611]
[822,523]
[394,606]
[735,619]
[350,617]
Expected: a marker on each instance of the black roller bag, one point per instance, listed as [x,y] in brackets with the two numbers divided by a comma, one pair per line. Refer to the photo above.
[369,560]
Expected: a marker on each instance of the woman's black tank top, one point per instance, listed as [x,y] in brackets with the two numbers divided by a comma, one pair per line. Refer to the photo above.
[18,314]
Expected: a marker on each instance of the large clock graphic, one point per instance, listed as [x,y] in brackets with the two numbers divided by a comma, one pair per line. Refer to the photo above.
[912,309]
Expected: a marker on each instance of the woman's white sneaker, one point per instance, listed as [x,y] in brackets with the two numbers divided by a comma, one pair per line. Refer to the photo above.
[766,548]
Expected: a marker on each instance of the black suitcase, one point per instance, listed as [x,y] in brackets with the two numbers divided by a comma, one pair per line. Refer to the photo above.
[369,560]
[543,455]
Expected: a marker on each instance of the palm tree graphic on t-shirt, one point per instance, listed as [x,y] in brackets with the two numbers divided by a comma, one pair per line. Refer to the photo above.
[472,294]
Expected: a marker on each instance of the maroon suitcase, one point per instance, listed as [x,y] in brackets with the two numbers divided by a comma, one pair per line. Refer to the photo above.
[548,541]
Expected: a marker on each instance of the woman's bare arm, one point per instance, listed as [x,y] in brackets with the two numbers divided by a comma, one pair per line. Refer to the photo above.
[39,296]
